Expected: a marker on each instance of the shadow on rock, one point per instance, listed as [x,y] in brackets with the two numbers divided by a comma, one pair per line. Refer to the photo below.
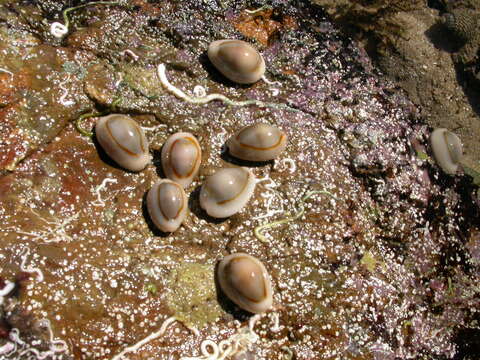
[226,156]
[157,162]
[470,83]
[216,76]
[442,38]
[104,156]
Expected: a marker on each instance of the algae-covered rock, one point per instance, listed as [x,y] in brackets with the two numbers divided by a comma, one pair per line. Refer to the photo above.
[192,295]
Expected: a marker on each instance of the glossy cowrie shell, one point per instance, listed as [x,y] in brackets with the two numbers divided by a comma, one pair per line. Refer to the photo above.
[123,140]
[167,205]
[245,280]
[237,60]
[447,150]
[227,191]
[258,142]
[181,158]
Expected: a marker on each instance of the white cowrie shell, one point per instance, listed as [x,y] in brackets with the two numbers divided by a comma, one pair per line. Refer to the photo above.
[227,191]
[237,60]
[123,140]
[167,205]
[447,150]
[258,142]
[244,279]
[181,158]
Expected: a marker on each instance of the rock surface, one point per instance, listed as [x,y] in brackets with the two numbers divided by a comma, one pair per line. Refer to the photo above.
[412,45]
[378,257]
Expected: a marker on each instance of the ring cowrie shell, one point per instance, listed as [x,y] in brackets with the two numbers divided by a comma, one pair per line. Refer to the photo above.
[237,60]
[245,280]
[167,205]
[123,140]
[181,158]
[447,150]
[258,142]
[227,191]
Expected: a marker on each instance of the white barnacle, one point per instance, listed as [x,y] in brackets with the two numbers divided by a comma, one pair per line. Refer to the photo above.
[199,91]
[58,30]
[284,164]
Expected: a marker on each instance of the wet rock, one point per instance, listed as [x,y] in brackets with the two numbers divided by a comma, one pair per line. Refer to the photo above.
[348,261]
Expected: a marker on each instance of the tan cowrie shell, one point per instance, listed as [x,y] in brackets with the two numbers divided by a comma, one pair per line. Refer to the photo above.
[167,205]
[227,191]
[123,140]
[244,279]
[181,158]
[447,150]
[237,60]
[258,142]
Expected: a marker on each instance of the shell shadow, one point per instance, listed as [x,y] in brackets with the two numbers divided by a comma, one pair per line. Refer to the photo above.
[153,228]
[442,38]
[196,209]
[226,304]
[470,84]
[227,157]
[157,163]
[216,75]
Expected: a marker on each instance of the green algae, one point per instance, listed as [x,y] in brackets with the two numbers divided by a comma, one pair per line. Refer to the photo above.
[193,298]
[369,261]
[142,81]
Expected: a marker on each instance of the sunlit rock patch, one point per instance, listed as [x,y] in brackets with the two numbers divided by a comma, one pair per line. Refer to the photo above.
[381,264]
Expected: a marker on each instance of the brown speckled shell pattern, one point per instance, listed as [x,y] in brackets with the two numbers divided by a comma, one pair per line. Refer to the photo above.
[463,23]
